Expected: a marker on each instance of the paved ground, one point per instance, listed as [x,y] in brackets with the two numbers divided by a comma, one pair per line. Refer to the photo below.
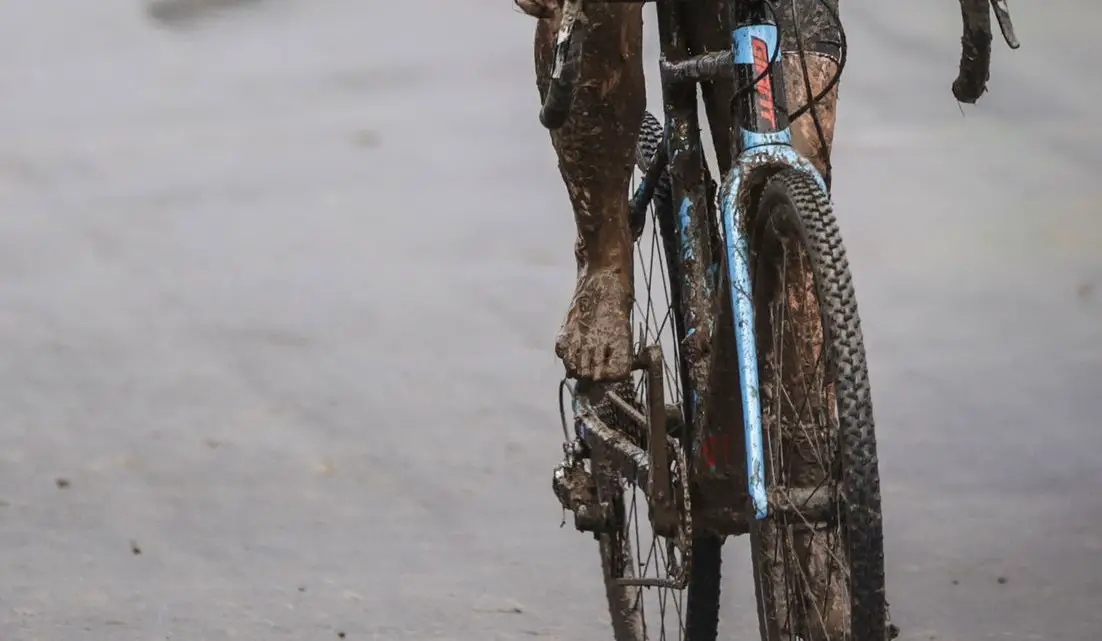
[279,287]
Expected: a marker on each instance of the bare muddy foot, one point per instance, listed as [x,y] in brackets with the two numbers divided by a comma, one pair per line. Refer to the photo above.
[595,341]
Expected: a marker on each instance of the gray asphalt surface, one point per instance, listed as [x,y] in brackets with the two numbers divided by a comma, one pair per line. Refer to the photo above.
[279,285]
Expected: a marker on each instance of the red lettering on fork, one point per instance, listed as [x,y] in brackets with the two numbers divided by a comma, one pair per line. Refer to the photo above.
[716,449]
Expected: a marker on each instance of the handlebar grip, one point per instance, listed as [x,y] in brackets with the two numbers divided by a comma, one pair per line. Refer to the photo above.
[975,54]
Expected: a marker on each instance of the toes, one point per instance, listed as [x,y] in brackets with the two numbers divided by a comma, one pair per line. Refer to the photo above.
[585,362]
[595,357]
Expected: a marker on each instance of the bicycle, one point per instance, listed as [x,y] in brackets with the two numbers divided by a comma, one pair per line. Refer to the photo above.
[803,478]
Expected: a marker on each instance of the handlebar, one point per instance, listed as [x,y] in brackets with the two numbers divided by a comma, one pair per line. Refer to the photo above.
[975,55]
[970,84]
[564,70]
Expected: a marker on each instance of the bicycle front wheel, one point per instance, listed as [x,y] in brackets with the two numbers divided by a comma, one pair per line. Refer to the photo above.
[819,579]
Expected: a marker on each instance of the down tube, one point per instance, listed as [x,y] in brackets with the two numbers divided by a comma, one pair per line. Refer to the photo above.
[738,264]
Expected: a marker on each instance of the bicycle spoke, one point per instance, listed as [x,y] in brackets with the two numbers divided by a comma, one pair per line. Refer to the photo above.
[800,420]
[653,557]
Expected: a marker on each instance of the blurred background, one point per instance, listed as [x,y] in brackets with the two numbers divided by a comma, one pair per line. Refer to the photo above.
[279,284]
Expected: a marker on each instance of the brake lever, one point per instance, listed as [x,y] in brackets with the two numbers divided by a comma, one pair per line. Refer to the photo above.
[1002,14]
[975,55]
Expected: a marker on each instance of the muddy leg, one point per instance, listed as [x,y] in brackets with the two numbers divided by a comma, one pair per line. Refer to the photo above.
[807,25]
[813,132]
[596,151]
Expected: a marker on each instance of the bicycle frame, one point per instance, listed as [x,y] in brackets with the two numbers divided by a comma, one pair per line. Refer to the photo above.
[762,146]
[702,497]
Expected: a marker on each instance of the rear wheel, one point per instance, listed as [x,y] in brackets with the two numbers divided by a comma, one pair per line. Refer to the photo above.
[823,580]
[631,549]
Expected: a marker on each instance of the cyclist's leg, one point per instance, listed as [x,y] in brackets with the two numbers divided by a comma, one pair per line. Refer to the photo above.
[813,132]
[596,152]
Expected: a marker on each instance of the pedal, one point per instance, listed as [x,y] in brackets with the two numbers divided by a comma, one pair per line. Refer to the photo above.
[664,515]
